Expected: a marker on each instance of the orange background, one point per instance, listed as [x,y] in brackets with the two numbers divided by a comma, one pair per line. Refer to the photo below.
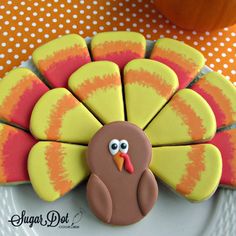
[27,24]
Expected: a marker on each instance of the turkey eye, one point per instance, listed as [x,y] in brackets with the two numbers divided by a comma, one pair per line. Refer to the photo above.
[124,146]
[114,146]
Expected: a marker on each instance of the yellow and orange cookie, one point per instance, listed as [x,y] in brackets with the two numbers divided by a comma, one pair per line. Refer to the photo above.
[59,58]
[193,171]
[56,168]
[20,89]
[15,145]
[183,59]
[187,118]
[148,86]
[98,86]
[59,116]
[119,47]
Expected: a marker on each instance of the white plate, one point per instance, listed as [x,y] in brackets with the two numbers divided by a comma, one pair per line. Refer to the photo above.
[171,215]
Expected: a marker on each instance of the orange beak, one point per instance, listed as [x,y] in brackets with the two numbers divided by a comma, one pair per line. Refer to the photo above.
[119,161]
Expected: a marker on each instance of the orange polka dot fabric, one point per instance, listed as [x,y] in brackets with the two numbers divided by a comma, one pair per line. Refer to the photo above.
[25,25]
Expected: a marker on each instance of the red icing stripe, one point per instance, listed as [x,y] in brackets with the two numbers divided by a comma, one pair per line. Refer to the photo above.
[184,76]
[22,111]
[14,154]
[58,73]
[226,142]
[121,59]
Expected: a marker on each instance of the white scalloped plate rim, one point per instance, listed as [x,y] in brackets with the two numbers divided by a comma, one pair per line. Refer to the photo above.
[220,223]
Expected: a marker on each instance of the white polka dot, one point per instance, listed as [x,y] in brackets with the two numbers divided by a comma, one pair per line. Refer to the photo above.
[6,22]
[54,31]
[161,26]
[101,7]
[212,65]
[88,27]
[195,43]
[233,34]
[11,39]
[8,62]
[207,33]
[223,54]
[5,33]
[21,13]
[16,56]
[39,40]
[27,18]
[9,50]
[233,72]
[35,13]
[75,16]
[210,54]
[46,36]
[101,27]
[81,11]
[48,14]
[220,33]
[61,26]
[74,26]
[222,44]
[227,77]
[217,59]
[231,60]
[67,21]
[32,35]
[17,45]
[203,49]
[26,29]
[81,22]
[229,49]
[25,40]
[108,13]
[88,17]
[220,71]
[148,25]
[208,43]
[114,28]
[40,30]
[148,36]
[201,38]
[188,37]
[67,31]
[54,20]
[227,39]
[216,49]
[1,67]
[23,51]
[141,30]
[225,66]
[14,18]
[134,25]
[181,32]
[121,24]
[108,23]
[13,28]
[2,55]
[101,17]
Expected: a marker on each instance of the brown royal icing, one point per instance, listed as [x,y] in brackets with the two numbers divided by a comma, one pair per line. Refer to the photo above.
[121,189]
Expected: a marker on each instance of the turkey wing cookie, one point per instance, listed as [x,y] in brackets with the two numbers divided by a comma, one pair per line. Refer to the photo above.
[121,189]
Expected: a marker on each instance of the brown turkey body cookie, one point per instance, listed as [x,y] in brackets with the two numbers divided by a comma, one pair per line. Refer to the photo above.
[121,189]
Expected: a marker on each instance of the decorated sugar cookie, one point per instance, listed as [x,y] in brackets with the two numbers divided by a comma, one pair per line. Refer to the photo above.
[121,189]
[98,86]
[123,122]
[59,58]
[15,145]
[183,59]
[225,141]
[220,94]
[20,89]
[57,167]
[119,47]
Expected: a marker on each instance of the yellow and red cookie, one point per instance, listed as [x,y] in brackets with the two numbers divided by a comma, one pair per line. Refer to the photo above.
[98,86]
[220,94]
[183,59]
[187,118]
[56,168]
[226,143]
[15,145]
[59,58]
[194,171]
[148,86]
[119,47]
[20,89]
[59,116]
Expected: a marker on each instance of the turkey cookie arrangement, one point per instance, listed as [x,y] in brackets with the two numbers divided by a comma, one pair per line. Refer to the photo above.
[118,119]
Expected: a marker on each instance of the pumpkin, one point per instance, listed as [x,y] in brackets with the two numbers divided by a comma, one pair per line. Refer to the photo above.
[200,14]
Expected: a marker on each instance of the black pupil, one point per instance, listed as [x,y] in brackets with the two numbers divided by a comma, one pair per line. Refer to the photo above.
[123,145]
[114,146]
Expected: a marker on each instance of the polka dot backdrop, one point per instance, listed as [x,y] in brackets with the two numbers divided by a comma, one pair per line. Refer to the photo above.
[25,25]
